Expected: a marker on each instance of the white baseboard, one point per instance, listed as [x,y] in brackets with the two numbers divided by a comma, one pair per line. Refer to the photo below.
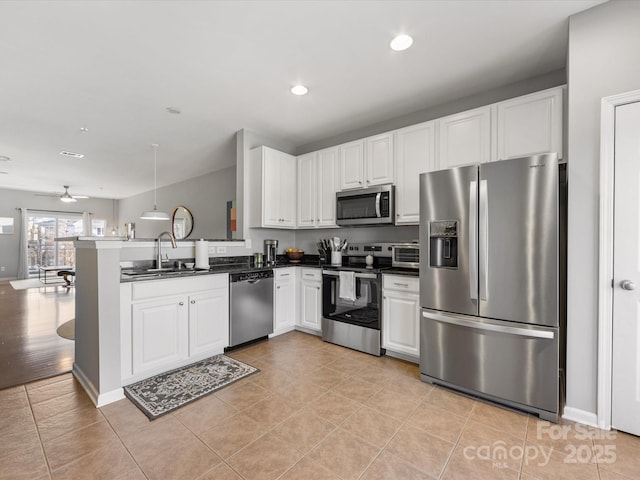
[404,356]
[580,416]
[308,330]
[98,399]
[288,329]
[110,397]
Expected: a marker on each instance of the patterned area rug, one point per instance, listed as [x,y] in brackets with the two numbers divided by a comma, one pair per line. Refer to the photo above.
[159,395]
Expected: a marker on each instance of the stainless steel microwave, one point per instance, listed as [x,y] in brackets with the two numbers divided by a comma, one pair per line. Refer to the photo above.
[366,206]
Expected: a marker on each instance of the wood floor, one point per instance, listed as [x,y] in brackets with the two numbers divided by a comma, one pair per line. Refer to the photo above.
[30,348]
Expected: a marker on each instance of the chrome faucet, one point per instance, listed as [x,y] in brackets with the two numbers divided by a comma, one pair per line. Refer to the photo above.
[159,240]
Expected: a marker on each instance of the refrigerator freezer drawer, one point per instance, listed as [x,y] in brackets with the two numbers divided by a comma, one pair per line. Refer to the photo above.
[514,362]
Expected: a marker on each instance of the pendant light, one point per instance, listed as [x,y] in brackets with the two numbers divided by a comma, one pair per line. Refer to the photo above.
[154,214]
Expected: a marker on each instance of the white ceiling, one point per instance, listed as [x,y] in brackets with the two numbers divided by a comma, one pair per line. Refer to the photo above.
[114,66]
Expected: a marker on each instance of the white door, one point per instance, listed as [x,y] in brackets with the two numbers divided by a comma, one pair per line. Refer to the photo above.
[379,159]
[307,181]
[401,322]
[209,322]
[626,267]
[284,308]
[327,187]
[415,154]
[310,305]
[466,138]
[159,333]
[351,165]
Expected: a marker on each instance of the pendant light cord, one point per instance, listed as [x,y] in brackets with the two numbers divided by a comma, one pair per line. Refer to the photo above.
[155,175]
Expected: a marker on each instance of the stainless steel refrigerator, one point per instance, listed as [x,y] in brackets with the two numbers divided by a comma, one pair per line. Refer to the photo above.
[490,281]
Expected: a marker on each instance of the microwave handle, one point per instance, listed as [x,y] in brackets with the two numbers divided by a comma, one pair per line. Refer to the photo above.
[378,196]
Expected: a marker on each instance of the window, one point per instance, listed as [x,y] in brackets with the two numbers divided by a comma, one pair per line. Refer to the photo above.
[42,249]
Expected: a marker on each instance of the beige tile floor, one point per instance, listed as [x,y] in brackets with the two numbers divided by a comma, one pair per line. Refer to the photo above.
[315,411]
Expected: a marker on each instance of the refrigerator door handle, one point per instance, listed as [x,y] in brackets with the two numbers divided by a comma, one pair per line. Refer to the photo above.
[523,332]
[483,227]
[473,240]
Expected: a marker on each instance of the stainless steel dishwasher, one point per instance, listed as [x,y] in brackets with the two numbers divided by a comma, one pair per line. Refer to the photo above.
[250,306]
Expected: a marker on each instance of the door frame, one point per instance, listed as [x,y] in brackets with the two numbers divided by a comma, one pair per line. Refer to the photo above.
[605,250]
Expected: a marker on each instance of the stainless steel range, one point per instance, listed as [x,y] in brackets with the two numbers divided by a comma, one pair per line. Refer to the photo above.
[352,298]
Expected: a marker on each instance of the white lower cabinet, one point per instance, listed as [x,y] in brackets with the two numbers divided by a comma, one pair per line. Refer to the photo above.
[159,333]
[168,323]
[285,300]
[207,332]
[311,299]
[401,315]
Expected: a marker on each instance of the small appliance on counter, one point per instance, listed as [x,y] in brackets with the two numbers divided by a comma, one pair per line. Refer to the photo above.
[270,252]
[406,255]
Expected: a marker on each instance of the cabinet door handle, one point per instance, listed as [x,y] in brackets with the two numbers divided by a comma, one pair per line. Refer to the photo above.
[181,303]
[285,275]
[401,284]
[278,287]
[192,302]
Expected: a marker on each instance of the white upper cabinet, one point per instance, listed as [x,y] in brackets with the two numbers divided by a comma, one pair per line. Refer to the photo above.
[415,154]
[317,185]
[273,188]
[531,124]
[379,159]
[327,187]
[307,181]
[466,138]
[351,165]
[367,162]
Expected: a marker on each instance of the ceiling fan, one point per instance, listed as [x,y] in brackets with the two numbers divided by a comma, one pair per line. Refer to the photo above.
[64,197]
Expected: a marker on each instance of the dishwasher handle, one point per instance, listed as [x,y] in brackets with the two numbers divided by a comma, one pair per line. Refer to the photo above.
[257,280]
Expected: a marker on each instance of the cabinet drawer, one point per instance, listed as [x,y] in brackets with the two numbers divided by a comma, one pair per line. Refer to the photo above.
[312,274]
[402,283]
[177,286]
[284,273]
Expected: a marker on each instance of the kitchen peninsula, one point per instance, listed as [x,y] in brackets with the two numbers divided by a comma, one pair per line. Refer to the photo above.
[99,334]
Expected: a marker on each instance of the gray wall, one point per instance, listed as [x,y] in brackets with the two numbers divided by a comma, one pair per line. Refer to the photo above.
[11,199]
[206,197]
[534,84]
[603,60]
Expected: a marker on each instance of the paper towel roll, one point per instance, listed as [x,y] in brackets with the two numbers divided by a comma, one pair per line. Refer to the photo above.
[202,254]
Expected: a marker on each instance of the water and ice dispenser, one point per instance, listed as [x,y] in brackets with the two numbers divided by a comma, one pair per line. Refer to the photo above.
[443,244]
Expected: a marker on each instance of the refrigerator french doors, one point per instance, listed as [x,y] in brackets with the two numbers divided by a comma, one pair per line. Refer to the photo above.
[489,281]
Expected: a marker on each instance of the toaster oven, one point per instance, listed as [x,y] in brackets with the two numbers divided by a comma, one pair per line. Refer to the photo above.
[406,255]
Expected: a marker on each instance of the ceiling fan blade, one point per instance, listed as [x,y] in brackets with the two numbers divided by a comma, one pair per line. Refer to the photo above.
[47,194]
[80,196]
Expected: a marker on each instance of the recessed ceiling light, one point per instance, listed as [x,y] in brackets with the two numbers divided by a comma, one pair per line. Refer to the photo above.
[401,42]
[71,154]
[4,158]
[174,110]
[299,90]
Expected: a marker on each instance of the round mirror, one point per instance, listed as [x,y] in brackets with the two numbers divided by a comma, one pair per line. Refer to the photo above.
[181,222]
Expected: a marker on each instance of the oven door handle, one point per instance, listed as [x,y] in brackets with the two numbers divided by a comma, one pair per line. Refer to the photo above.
[358,275]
